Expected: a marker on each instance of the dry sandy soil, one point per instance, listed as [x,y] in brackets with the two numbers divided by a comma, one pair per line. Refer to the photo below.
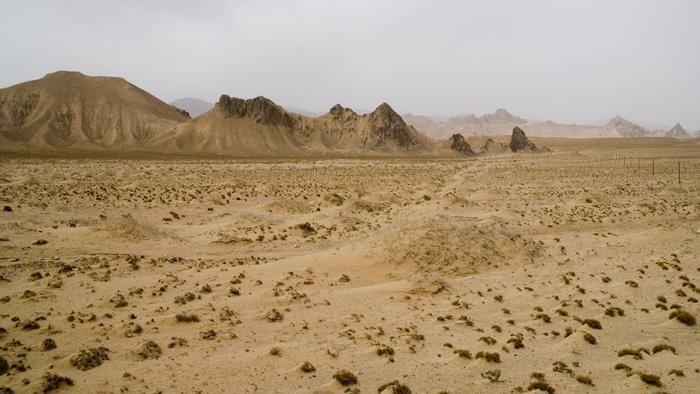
[563,271]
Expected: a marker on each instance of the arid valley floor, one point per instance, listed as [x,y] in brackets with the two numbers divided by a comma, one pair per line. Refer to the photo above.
[508,273]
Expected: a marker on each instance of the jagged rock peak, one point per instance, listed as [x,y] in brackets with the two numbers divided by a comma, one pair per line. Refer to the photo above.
[460,145]
[340,112]
[384,112]
[519,142]
[260,108]
[386,125]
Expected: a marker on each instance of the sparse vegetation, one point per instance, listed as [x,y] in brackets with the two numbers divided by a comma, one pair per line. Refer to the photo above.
[684,317]
[650,379]
[345,377]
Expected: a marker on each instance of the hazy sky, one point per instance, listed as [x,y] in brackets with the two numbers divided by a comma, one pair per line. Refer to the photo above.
[568,61]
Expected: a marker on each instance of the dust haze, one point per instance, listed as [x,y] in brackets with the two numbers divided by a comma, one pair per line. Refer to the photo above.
[345,197]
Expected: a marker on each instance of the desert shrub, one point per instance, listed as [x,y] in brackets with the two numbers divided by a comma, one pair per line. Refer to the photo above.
[593,323]
[307,367]
[636,353]
[493,375]
[541,385]
[653,380]
[186,318]
[676,372]
[684,317]
[589,338]
[395,387]
[662,346]
[345,377]
[489,357]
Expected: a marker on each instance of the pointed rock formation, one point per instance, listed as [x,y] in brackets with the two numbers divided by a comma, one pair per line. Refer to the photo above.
[460,145]
[677,131]
[338,112]
[387,127]
[520,143]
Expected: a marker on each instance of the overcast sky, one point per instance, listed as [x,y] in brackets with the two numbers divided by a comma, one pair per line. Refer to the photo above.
[568,61]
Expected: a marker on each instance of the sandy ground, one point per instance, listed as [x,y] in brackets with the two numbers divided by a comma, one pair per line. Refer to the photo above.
[556,271]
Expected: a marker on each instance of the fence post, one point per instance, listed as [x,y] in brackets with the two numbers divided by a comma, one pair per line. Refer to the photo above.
[652,166]
[679,172]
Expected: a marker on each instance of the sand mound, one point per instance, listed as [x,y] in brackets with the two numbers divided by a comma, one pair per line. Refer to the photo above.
[458,246]
[125,227]
[288,206]
[363,205]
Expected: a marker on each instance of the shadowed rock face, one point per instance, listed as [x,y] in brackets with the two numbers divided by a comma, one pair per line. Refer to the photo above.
[338,112]
[261,109]
[520,143]
[386,125]
[459,145]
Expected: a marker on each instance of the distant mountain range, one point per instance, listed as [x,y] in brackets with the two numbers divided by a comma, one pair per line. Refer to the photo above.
[503,122]
[70,111]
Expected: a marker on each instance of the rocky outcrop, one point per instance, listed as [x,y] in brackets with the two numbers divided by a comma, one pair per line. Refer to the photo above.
[386,126]
[182,112]
[262,109]
[460,145]
[340,113]
[520,143]
[677,131]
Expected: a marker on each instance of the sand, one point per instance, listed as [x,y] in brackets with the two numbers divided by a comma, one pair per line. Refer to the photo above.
[492,274]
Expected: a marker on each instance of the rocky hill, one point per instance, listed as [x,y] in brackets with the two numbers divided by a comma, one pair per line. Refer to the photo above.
[260,127]
[70,110]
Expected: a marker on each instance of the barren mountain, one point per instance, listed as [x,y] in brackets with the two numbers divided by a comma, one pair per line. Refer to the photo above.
[259,127]
[70,110]
[193,106]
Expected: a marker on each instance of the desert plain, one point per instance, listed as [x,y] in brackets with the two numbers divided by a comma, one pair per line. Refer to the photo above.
[573,271]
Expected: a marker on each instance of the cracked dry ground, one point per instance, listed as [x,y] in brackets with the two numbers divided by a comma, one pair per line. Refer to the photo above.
[516,273]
